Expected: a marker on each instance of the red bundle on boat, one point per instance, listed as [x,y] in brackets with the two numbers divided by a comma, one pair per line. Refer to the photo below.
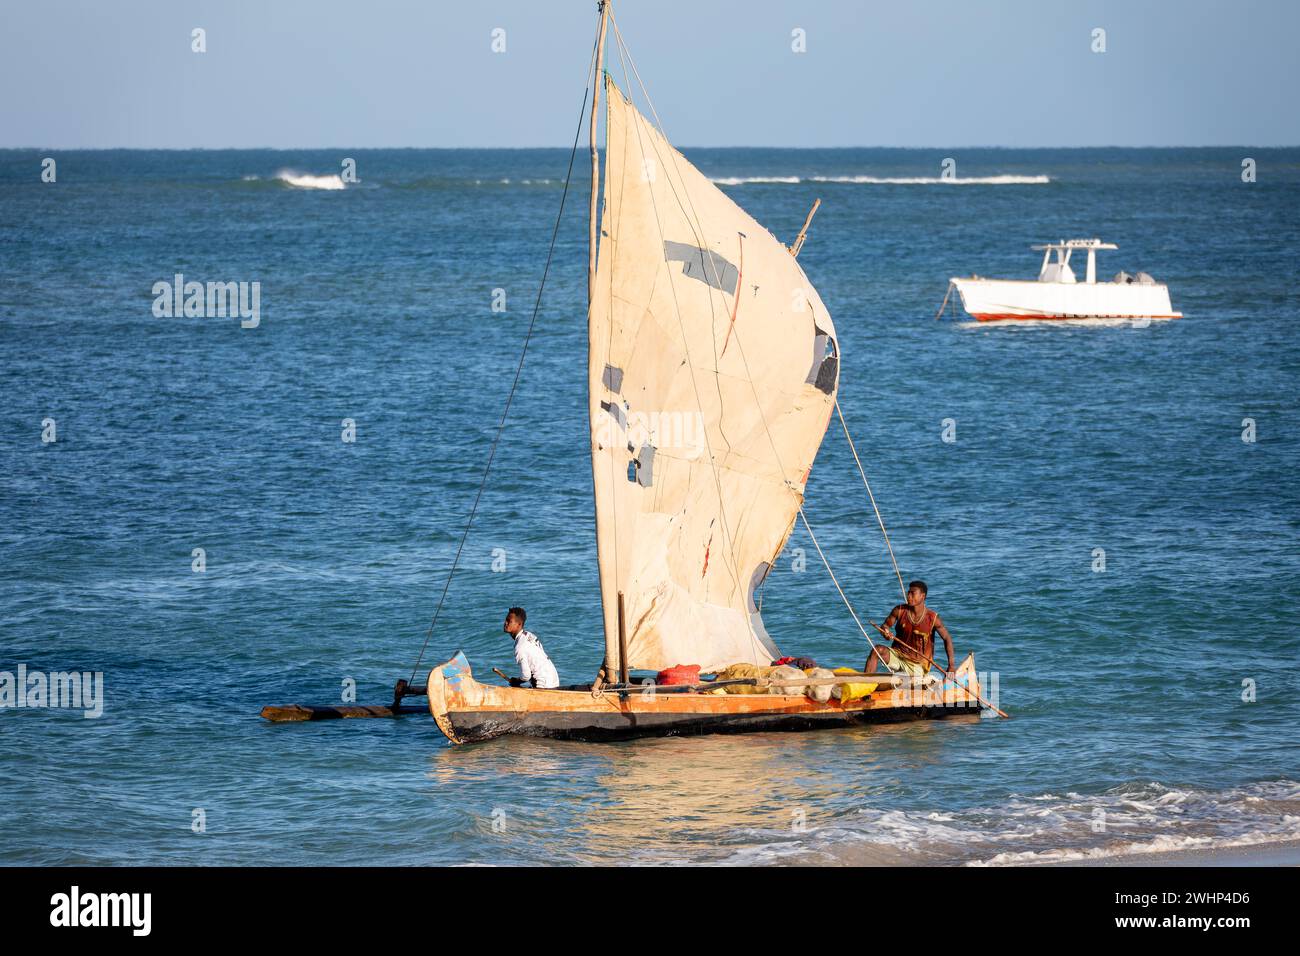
[681,674]
[803,663]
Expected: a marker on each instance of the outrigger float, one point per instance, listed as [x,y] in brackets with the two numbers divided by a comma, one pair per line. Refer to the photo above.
[692,305]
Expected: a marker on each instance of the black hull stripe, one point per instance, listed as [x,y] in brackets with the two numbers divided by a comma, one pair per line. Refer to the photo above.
[484,725]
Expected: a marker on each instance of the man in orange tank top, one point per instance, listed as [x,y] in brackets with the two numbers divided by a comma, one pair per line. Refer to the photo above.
[914,628]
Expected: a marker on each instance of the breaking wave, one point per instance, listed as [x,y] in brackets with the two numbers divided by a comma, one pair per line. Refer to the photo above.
[1005,180]
[308,181]
[1145,818]
[521,182]
[742,180]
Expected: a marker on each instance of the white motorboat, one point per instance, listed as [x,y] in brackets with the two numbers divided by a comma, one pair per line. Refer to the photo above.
[1058,294]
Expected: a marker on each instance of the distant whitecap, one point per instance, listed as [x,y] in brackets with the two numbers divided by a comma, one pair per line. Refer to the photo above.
[741,180]
[308,181]
[1005,180]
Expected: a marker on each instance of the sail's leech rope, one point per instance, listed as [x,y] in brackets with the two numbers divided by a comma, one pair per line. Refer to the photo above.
[532,322]
[708,260]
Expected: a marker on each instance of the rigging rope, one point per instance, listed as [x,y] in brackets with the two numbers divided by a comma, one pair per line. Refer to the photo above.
[844,425]
[532,322]
[834,580]
[944,304]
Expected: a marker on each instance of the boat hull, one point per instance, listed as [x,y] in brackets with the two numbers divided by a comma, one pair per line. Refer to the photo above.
[995,300]
[469,712]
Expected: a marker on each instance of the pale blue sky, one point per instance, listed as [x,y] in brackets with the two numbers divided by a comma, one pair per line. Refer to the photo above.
[292,73]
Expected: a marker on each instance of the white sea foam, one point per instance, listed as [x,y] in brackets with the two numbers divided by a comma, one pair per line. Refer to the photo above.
[507,181]
[1160,844]
[308,181]
[741,180]
[1043,828]
[1006,180]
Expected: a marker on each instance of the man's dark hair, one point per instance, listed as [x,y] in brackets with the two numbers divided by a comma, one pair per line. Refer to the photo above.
[519,613]
[918,584]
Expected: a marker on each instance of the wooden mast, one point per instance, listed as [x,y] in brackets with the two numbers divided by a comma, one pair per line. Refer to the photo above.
[595,158]
[608,667]
[623,675]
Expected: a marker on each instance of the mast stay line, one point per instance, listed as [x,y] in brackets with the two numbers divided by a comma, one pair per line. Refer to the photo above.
[532,322]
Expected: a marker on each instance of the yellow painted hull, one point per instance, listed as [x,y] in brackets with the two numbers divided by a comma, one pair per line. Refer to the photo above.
[467,711]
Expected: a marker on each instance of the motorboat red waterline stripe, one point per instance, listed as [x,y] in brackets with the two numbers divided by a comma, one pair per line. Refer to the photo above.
[1058,294]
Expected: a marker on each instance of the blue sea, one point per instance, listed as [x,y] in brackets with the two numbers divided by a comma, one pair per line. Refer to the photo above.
[1113,532]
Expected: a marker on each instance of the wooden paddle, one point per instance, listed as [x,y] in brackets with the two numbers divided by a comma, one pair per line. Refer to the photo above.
[930,663]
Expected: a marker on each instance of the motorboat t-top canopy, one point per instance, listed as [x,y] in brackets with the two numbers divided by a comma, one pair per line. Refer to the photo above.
[1059,270]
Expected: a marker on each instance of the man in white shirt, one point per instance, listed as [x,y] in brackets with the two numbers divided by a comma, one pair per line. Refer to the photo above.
[536,668]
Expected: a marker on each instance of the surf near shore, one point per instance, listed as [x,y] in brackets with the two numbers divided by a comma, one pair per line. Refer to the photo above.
[1259,854]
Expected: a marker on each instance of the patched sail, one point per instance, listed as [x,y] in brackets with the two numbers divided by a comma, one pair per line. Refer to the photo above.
[713,370]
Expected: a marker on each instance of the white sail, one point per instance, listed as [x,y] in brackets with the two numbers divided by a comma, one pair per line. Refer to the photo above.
[713,370]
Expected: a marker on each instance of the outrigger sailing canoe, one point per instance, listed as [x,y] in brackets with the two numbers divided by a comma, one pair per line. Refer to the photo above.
[713,372]
[467,711]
